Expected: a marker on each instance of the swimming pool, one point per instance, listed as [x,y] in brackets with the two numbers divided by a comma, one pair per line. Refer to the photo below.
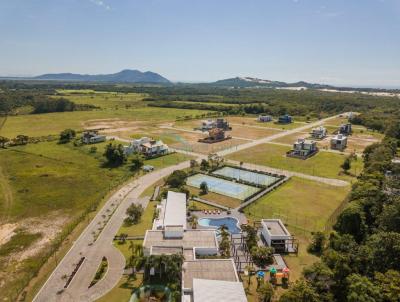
[230,222]
[222,186]
[249,176]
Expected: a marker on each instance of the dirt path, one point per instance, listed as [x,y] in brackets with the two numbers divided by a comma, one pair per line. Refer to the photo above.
[7,197]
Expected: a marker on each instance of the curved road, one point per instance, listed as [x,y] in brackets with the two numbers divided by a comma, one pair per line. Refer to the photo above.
[96,241]
[94,250]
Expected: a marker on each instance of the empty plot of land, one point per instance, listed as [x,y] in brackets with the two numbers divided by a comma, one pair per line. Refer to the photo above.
[188,141]
[317,202]
[291,138]
[324,164]
[252,121]
[251,132]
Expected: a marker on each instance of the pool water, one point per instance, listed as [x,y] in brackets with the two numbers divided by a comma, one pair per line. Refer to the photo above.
[249,176]
[222,186]
[229,222]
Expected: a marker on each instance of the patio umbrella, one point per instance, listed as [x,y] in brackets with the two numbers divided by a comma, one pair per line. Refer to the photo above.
[272,270]
[260,274]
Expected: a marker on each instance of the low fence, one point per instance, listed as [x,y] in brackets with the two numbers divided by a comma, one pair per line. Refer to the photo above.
[262,193]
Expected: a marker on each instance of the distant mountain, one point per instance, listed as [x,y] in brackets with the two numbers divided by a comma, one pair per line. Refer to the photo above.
[248,82]
[124,76]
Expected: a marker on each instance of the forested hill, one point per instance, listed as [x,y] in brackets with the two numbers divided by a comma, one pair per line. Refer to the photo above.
[124,76]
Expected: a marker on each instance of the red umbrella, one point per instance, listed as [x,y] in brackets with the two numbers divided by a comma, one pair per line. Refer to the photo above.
[286,270]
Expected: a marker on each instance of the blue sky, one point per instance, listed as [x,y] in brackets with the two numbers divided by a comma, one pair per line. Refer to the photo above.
[342,42]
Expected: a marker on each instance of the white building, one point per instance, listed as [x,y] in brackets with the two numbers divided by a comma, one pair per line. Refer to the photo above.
[92,137]
[264,118]
[339,142]
[319,132]
[213,280]
[146,146]
[172,212]
[276,235]
[208,125]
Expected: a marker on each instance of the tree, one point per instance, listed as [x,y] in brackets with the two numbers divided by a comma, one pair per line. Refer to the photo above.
[3,141]
[193,163]
[262,255]
[265,292]
[301,291]
[204,165]
[346,166]
[382,252]
[21,139]
[176,179]
[361,289]
[352,221]
[203,188]
[66,136]
[317,244]
[251,235]
[389,285]
[137,162]
[115,154]
[320,277]
[122,238]
[134,213]
[389,219]
[225,244]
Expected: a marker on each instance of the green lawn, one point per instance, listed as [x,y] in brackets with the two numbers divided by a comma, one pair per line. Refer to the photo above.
[145,223]
[122,292]
[199,206]
[324,164]
[300,203]
[217,198]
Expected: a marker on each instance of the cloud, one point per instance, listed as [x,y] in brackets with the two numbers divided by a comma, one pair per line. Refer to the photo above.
[101,4]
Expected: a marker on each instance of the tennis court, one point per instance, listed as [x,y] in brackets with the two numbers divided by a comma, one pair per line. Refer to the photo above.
[222,186]
[248,176]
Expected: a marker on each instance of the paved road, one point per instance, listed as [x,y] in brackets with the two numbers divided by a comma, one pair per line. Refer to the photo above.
[96,240]
[273,137]
[93,251]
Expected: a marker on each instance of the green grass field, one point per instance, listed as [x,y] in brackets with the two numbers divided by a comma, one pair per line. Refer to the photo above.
[54,123]
[145,223]
[324,164]
[300,203]
[118,106]
[58,182]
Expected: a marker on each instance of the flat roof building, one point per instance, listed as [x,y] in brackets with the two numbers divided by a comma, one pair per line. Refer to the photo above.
[218,291]
[213,280]
[264,118]
[175,210]
[303,149]
[339,142]
[319,132]
[276,235]
[200,241]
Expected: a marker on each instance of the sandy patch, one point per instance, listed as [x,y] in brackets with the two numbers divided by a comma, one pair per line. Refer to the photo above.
[48,227]
[6,232]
